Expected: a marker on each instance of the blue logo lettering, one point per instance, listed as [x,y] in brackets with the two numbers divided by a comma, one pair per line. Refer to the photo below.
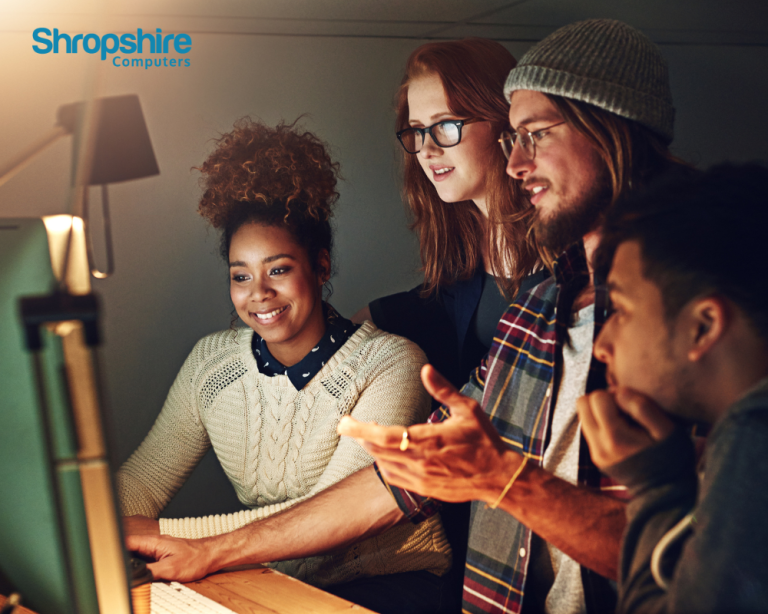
[36,36]
[109,44]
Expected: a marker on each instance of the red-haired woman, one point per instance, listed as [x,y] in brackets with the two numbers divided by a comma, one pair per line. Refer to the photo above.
[469,215]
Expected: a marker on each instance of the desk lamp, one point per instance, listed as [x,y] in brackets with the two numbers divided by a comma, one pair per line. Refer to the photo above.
[113,146]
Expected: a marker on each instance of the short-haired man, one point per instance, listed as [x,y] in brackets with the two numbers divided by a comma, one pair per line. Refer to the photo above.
[591,117]
[689,336]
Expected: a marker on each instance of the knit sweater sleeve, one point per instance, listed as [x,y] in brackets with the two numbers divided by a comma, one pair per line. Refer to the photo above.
[158,468]
[386,388]
[391,393]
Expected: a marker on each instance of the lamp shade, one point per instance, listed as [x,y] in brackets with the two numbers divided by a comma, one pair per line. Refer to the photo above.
[122,148]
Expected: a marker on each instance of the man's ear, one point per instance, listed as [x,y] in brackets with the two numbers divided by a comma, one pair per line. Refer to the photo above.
[709,318]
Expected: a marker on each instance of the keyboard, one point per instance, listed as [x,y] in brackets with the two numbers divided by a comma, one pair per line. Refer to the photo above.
[175,598]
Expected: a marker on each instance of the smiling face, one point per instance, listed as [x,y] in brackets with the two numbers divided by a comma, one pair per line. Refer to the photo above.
[639,347]
[276,290]
[566,180]
[458,173]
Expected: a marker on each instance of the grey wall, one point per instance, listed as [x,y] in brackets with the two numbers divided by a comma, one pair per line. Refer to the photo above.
[170,288]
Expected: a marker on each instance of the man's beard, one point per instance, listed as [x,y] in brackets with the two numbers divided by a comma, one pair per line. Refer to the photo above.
[571,221]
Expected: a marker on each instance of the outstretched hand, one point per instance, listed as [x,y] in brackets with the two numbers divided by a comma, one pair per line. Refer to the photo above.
[620,424]
[460,459]
[180,560]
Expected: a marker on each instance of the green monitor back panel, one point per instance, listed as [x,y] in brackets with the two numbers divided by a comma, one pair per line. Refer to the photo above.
[44,546]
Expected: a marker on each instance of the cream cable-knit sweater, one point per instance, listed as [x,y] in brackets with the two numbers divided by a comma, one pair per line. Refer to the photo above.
[279,446]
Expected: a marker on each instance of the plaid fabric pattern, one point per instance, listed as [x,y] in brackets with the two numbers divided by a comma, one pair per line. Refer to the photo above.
[517,385]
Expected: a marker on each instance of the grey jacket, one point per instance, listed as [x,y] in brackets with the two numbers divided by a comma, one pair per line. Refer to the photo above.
[716,558]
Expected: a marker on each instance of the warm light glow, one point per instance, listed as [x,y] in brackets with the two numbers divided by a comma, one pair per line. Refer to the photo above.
[57,223]
[78,275]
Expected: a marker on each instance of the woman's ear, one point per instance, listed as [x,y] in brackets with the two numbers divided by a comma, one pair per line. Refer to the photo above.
[323,266]
[709,318]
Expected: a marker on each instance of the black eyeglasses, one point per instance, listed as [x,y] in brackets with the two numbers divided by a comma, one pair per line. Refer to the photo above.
[446,133]
[526,139]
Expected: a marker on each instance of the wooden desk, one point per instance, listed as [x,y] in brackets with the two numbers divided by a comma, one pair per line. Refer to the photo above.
[263,591]
[266,591]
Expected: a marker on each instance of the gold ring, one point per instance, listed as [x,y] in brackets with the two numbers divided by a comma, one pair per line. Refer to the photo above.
[405,441]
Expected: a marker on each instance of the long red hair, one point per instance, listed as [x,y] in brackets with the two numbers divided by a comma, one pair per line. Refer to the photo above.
[451,235]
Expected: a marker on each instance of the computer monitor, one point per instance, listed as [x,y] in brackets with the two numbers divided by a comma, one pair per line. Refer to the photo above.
[60,542]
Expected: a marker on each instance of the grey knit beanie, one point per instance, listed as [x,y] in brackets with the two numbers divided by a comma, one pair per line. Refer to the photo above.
[605,63]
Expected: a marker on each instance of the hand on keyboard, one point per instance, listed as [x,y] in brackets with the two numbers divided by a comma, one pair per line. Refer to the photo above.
[182,560]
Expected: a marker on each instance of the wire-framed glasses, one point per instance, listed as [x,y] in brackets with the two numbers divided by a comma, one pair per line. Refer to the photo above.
[525,138]
[446,133]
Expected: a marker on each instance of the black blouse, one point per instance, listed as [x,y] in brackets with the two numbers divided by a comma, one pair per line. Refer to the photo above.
[337,331]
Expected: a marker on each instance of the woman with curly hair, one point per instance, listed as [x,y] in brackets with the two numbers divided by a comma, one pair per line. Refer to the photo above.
[267,397]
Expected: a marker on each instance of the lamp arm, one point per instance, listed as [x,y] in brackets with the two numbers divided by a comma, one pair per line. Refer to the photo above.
[26,156]
[98,274]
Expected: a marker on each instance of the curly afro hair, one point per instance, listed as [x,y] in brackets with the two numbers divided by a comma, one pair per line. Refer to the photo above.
[277,176]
